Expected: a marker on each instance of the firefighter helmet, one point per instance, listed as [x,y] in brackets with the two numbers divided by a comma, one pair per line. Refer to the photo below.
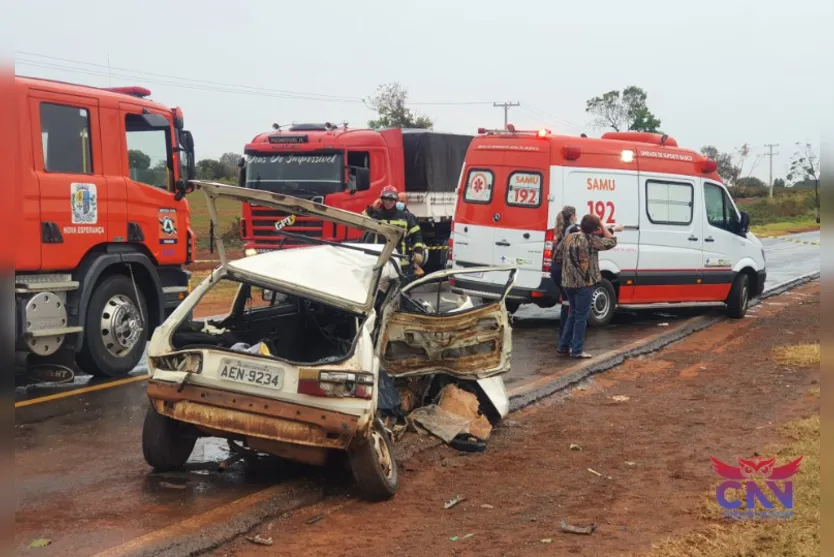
[389,192]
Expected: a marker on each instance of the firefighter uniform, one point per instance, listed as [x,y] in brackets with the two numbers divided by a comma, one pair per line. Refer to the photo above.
[412,243]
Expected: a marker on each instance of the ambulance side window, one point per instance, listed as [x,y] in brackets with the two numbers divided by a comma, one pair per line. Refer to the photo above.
[720,212]
[669,202]
[479,186]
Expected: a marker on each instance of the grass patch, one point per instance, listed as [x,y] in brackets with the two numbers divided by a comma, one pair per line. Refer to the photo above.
[228,211]
[814,391]
[789,226]
[798,355]
[799,537]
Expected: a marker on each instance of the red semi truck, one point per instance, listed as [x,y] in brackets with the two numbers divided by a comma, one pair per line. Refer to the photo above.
[104,229]
[347,168]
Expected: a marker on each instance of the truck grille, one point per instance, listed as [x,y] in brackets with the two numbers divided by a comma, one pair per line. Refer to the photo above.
[265,235]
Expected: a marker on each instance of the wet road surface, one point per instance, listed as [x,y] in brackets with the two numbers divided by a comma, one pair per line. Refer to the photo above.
[82,481]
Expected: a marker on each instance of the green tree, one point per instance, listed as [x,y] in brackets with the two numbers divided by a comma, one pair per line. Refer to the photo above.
[626,111]
[779,183]
[805,167]
[389,102]
[210,169]
[138,159]
[727,169]
[750,182]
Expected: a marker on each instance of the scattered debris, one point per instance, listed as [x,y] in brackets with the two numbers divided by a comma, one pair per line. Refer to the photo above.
[456,538]
[630,463]
[575,447]
[453,502]
[547,540]
[468,536]
[259,540]
[662,324]
[172,486]
[456,419]
[485,506]
[315,519]
[592,471]
[620,398]
[570,528]
[39,542]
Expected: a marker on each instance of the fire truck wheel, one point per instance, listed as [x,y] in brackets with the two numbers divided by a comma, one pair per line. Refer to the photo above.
[374,466]
[739,297]
[166,443]
[603,304]
[115,335]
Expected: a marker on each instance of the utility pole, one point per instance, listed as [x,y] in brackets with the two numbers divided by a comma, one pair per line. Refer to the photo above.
[506,106]
[770,154]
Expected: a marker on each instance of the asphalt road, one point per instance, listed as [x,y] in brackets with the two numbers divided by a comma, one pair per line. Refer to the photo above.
[82,482]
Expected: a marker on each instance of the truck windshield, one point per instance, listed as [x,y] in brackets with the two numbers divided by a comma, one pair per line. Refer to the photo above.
[300,174]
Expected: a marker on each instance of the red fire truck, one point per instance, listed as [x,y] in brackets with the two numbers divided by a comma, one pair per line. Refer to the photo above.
[104,229]
[347,168]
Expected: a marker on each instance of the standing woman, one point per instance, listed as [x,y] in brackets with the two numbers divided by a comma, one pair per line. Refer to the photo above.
[565,224]
[580,273]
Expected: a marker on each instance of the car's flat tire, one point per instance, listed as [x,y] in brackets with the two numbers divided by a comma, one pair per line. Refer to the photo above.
[374,466]
[166,443]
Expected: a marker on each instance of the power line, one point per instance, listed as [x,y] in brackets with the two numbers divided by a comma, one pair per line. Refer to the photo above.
[506,106]
[547,117]
[199,84]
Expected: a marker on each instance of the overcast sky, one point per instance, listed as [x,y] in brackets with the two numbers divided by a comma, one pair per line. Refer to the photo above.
[723,72]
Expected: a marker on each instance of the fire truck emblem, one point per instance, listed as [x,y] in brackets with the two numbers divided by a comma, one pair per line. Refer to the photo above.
[84,203]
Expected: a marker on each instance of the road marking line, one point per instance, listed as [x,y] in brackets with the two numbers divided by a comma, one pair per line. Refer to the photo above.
[80,391]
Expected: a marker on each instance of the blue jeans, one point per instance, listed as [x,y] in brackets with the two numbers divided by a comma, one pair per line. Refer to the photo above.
[556,275]
[573,335]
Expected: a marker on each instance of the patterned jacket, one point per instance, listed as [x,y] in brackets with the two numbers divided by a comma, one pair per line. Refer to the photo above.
[580,259]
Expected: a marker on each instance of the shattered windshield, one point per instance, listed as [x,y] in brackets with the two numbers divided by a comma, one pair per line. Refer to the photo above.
[300,174]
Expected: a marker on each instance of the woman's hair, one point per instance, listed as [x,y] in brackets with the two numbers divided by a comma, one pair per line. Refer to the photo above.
[562,220]
[590,224]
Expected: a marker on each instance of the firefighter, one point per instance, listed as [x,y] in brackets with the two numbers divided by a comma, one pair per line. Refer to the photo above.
[385,210]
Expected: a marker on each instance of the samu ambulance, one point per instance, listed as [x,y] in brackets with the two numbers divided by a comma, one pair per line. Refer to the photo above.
[685,243]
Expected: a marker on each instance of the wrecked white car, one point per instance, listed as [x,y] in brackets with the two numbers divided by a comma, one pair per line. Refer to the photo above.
[321,349]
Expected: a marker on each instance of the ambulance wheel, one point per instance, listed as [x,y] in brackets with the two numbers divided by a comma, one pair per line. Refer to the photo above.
[115,335]
[739,297]
[374,466]
[603,304]
[166,443]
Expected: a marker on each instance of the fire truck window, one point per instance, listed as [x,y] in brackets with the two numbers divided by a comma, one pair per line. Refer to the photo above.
[65,133]
[358,159]
[669,202]
[148,153]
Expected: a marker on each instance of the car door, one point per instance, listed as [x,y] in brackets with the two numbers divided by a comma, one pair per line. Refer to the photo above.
[721,242]
[669,259]
[461,339]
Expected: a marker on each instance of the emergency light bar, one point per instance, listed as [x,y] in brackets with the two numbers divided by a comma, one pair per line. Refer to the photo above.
[512,131]
[139,92]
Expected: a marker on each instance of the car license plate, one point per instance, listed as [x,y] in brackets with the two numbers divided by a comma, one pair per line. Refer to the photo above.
[475,275]
[249,373]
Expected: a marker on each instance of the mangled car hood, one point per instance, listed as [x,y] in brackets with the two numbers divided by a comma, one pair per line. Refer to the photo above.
[339,276]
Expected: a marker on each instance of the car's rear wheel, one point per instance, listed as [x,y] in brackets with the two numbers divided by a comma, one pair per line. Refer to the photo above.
[739,298]
[603,304]
[373,465]
[166,443]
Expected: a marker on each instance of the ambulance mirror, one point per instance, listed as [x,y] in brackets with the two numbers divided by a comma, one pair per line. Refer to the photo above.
[744,225]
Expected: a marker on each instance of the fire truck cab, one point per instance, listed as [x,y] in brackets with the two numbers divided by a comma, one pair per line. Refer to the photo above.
[103,226]
[684,243]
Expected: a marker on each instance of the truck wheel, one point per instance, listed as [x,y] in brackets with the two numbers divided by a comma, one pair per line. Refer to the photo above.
[115,337]
[373,465]
[166,443]
[603,304]
[739,297]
